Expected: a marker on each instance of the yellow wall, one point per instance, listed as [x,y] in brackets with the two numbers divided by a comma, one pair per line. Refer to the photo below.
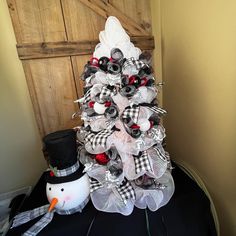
[21,159]
[199,71]
[198,56]
[156,31]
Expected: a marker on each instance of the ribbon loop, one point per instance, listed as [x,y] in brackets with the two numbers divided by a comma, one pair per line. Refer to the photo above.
[131,112]
[126,191]
[99,138]
[142,162]
[94,185]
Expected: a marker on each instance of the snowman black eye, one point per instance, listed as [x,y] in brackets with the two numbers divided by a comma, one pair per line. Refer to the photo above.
[50,189]
[62,189]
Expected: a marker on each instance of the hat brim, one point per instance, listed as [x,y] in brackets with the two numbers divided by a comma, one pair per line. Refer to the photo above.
[58,180]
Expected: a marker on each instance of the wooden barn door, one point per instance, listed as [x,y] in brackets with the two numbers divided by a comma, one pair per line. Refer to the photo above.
[55,38]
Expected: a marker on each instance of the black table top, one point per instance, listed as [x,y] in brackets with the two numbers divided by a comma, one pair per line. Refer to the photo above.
[187,214]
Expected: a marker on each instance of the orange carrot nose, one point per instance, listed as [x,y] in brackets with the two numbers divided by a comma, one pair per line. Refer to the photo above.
[52,204]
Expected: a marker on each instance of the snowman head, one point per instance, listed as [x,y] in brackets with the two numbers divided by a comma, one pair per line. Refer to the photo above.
[70,194]
[67,185]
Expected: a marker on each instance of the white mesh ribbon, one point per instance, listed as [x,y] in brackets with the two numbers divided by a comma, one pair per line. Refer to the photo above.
[155,198]
[161,153]
[119,199]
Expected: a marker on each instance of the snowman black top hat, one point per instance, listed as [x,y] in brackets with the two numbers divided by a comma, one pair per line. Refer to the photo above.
[63,163]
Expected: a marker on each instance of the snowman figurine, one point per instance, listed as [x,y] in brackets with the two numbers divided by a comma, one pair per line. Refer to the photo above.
[67,187]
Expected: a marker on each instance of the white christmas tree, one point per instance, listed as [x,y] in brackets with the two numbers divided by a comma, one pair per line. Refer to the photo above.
[121,139]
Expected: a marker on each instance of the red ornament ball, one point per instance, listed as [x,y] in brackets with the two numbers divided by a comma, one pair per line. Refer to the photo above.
[102,158]
[51,174]
[91,104]
[107,104]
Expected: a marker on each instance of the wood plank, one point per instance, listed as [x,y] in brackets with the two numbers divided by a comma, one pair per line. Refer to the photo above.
[50,81]
[37,21]
[67,48]
[78,63]
[52,89]
[139,11]
[105,9]
[33,96]
[82,23]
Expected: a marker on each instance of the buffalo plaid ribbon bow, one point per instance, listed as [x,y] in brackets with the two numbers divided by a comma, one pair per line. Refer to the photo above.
[107,91]
[98,138]
[142,162]
[131,112]
[132,62]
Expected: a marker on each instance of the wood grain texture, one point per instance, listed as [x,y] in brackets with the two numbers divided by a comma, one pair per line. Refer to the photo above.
[50,81]
[37,21]
[78,63]
[82,23]
[62,49]
[52,91]
[139,11]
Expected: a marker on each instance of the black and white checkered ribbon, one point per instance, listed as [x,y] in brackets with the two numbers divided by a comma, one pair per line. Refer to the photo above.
[99,138]
[126,191]
[65,172]
[162,154]
[132,62]
[94,185]
[26,216]
[157,110]
[142,162]
[107,92]
[39,225]
[131,112]
[87,96]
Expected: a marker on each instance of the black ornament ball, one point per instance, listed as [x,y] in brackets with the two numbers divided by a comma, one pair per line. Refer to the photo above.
[115,170]
[111,112]
[124,80]
[102,63]
[128,91]
[116,55]
[113,68]
[135,133]
[150,82]
[146,70]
